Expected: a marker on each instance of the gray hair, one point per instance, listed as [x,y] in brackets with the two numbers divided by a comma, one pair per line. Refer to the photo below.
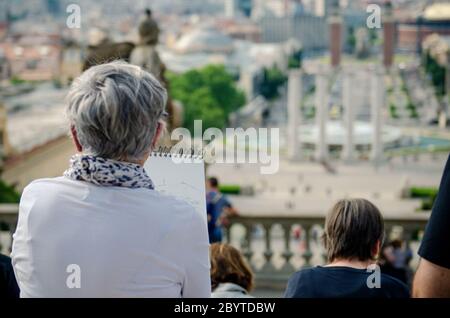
[115,109]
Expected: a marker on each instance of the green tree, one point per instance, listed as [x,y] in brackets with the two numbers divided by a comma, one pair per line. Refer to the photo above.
[436,72]
[296,59]
[208,94]
[351,39]
[272,80]
[8,194]
[203,106]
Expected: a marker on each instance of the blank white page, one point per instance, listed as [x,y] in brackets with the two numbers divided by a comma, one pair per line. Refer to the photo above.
[184,180]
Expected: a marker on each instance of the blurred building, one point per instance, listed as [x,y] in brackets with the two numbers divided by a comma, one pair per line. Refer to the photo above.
[206,40]
[33,57]
[241,30]
[5,147]
[310,30]
[4,67]
[72,60]
[413,30]
[250,115]
[323,8]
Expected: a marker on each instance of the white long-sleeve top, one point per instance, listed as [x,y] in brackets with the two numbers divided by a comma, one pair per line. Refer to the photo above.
[76,239]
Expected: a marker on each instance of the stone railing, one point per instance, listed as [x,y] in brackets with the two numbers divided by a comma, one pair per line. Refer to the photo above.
[293,241]
[277,246]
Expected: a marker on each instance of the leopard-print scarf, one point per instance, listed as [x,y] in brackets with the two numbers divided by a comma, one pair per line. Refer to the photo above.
[108,172]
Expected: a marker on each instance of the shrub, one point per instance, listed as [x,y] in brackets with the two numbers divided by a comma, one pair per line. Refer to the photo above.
[230,189]
[8,194]
[422,192]
[393,111]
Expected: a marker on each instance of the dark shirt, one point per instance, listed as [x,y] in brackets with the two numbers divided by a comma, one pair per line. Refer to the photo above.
[342,282]
[435,245]
[8,284]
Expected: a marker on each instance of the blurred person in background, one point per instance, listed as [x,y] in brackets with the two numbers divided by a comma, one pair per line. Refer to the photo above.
[396,257]
[218,210]
[231,276]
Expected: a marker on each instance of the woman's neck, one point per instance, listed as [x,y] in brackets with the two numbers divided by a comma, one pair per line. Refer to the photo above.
[351,263]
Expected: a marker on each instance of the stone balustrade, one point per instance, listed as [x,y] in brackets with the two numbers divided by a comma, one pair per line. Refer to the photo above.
[276,244]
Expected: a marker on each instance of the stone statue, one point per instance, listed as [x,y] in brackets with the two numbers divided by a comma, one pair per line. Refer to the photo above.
[143,54]
[146,55]
[149,30]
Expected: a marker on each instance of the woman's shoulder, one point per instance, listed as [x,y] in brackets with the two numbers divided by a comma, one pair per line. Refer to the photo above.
[44,184]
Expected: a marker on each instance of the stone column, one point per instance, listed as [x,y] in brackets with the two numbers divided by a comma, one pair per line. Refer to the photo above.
[349,116]
[377,102]
[389,30]
[335,27]
[294,100]
[321,114]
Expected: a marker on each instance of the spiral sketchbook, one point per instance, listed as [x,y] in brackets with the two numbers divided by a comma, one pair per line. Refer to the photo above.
[184,179]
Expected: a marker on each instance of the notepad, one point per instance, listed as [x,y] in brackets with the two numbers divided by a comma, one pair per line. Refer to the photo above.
[184,179]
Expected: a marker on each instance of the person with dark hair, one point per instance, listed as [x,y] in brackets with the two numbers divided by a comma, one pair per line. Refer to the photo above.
[218,209]
[432,277]
[8,284]
[354,233]
[231,276]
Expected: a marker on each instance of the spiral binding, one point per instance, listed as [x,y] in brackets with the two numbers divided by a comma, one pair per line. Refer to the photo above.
[176,155]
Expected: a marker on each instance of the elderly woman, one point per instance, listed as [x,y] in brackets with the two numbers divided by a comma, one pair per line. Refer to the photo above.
[101,230]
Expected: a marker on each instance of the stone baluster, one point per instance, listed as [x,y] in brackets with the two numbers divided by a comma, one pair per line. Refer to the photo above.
[268,266]
[287,254]
[307,254]
[247,246]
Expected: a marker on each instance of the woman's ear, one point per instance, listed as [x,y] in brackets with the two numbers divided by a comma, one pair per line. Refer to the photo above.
[376,250]
[159,130]
[75,138]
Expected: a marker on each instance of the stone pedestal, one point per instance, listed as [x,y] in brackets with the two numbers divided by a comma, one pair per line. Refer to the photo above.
[294,101]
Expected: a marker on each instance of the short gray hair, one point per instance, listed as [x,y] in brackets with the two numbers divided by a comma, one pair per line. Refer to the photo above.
[115,109]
